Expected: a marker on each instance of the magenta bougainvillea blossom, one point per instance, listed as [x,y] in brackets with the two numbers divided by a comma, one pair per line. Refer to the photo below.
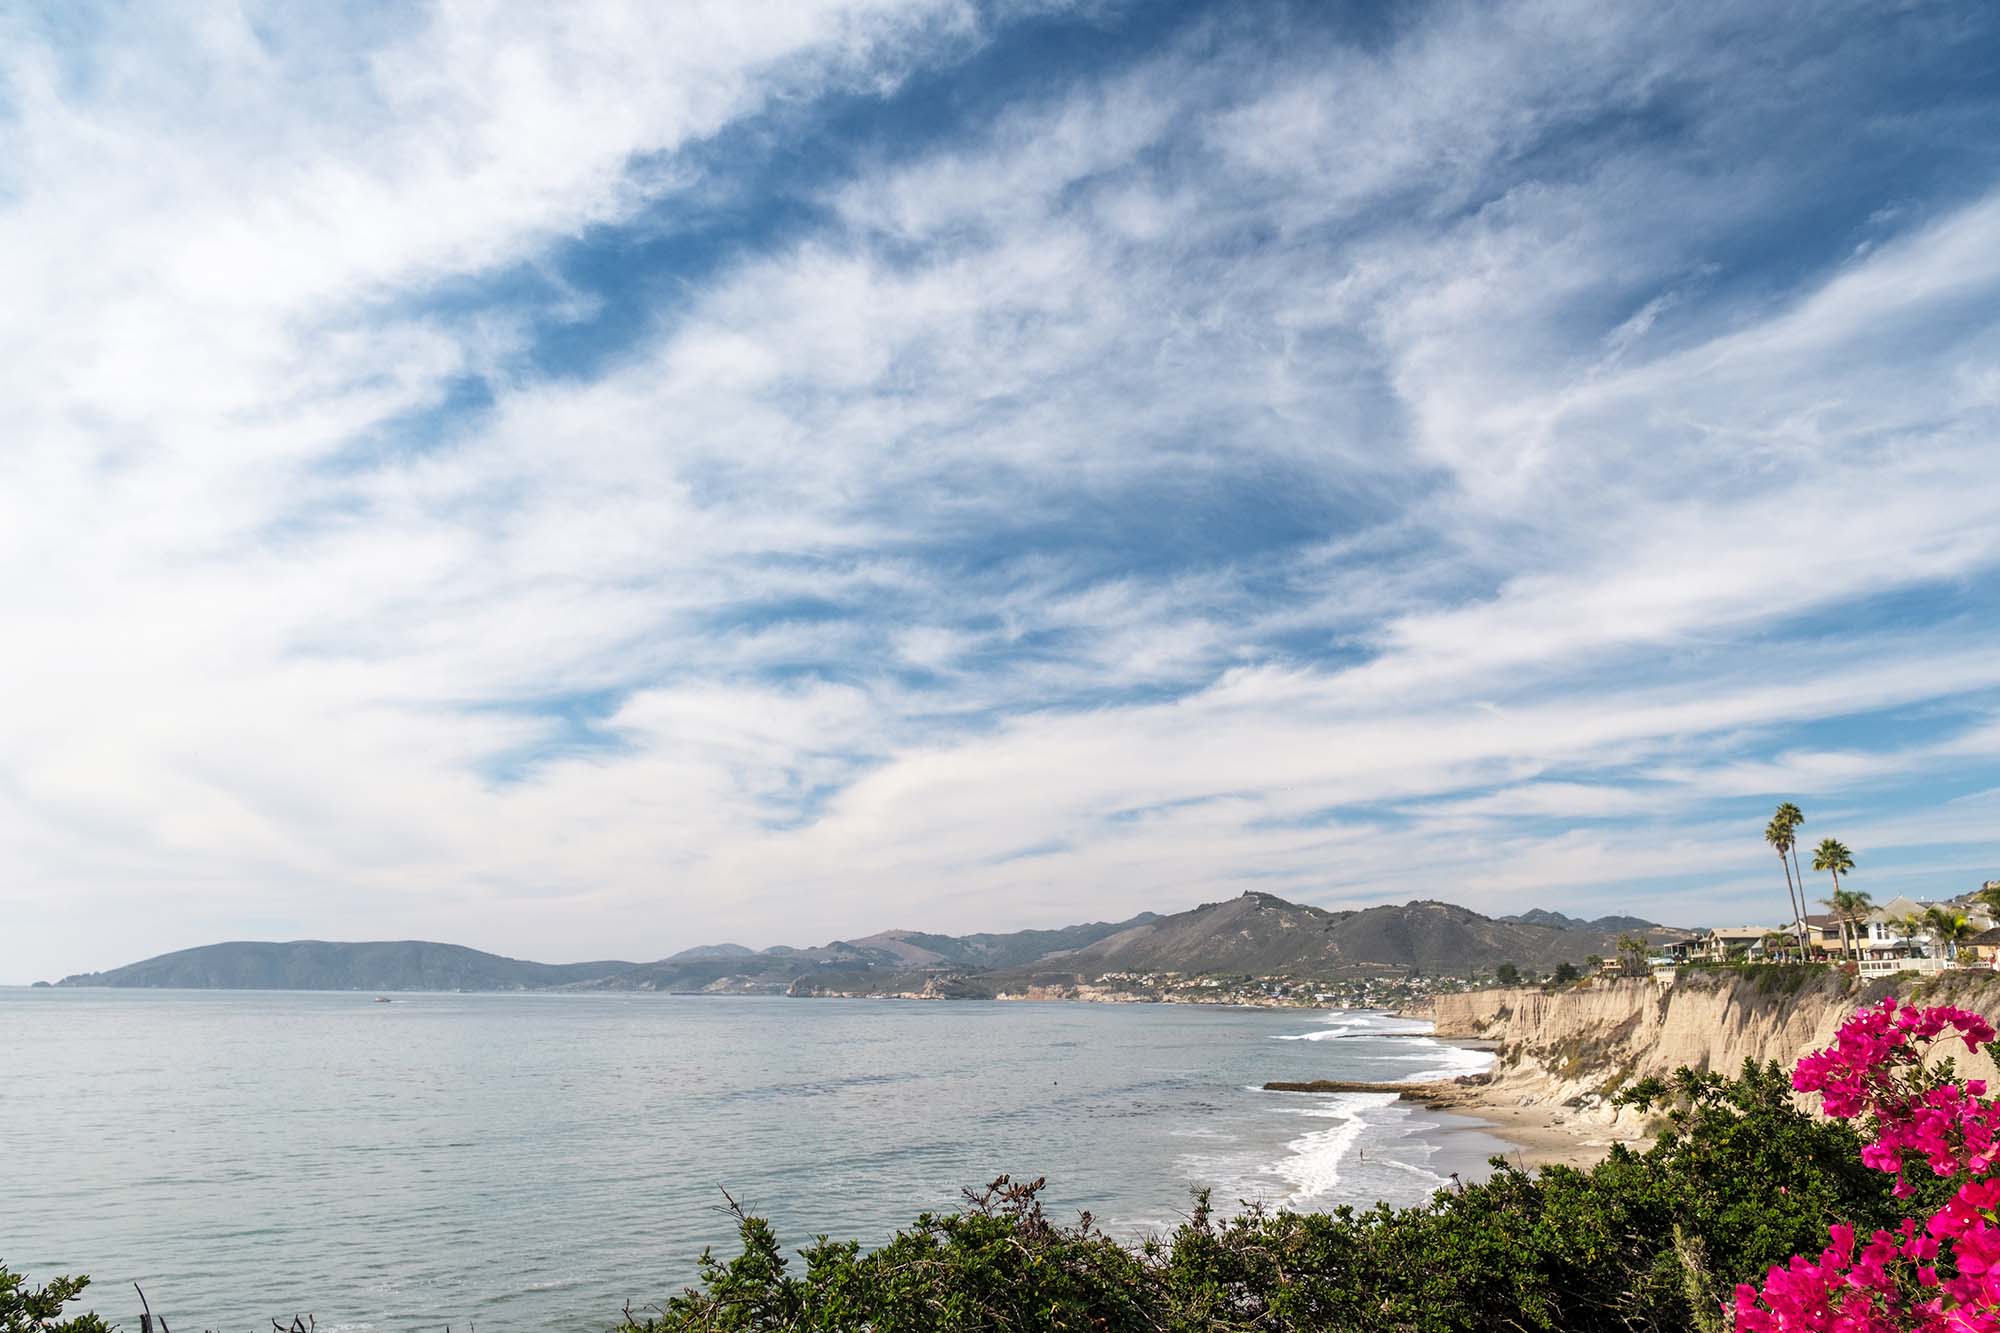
[1943,1273]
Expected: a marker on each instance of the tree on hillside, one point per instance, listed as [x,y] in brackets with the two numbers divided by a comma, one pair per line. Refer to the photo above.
[1834,858]
[1632,953]
[1779,833]
[1564,974]
[1987,896]
[1507,974]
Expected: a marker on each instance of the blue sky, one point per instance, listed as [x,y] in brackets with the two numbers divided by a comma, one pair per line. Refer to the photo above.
[593,483]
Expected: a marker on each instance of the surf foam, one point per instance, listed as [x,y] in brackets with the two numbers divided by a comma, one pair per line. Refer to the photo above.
[1313,1168]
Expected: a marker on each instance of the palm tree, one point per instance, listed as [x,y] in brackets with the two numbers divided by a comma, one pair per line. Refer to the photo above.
[1779,834]
[1859,905]
[1841,906]
[1913,925]
[1834,858]
[1950,929]
[1791,817]
[1854,910]
[1851,909]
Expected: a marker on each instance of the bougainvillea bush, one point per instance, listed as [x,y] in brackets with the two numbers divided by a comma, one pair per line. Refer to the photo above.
[1890,1071]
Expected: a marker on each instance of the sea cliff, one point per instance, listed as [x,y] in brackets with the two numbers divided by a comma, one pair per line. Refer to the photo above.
[1566,1052]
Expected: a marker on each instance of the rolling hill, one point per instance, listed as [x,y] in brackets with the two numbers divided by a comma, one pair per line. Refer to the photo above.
[330,965]
[1263,935]
[1256,934]
[886,954]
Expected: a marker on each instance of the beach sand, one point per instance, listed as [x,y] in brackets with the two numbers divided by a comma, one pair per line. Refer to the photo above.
[1473,1115]
[1543,1131]
[1541,1135]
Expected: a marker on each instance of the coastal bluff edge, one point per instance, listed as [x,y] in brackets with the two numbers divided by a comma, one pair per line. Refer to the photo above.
[1567,1052]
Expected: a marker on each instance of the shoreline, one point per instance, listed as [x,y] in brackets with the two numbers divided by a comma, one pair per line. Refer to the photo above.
[1543,1132]
[1539,1134]
[1542,1135]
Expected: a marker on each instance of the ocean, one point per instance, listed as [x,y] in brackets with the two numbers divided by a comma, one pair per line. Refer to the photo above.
[538,1161]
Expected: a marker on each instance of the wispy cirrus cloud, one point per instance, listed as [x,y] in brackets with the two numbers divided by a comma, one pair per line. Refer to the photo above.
[591,484]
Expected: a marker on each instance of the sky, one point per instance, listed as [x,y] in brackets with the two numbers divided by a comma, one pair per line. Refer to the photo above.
[585,481]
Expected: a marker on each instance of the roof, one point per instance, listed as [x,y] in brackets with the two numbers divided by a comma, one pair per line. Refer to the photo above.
[1899,907]
[1986,937]
[1746,932]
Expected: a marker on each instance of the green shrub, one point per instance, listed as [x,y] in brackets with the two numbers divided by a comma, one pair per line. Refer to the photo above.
[26,1309]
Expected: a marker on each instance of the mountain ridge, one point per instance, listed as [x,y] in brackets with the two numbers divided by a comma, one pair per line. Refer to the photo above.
[1254,934]
[1538,917]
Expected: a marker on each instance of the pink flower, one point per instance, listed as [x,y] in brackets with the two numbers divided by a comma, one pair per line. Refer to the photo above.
[1893,1282]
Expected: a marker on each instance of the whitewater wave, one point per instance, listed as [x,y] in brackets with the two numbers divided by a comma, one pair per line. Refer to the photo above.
[1359,1023]
[1446,1061]
[1408,1041]
[1313,1166]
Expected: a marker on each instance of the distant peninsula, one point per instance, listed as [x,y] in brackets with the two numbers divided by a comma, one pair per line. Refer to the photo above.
[1255,935]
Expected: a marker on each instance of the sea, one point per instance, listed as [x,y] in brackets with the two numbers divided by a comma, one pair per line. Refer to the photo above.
[540,1161]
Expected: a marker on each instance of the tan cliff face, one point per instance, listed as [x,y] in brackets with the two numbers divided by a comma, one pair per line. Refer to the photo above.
[1575,1048]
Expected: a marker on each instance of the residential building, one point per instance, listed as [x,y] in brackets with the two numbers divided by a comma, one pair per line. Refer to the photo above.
[1721,944]
[1982,950]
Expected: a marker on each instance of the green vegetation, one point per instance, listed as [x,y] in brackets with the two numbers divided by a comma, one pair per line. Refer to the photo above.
[1738,1180]
[1949,928]
[26,1309]
[1771,978]
[1633,955]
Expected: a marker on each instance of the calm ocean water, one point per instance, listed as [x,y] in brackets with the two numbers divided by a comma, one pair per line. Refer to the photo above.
[536,1161]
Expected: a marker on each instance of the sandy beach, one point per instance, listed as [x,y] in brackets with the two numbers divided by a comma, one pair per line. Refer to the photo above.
[1543,1135]
[1539,1133]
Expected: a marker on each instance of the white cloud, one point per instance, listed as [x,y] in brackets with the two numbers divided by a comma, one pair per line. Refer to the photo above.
[963,520]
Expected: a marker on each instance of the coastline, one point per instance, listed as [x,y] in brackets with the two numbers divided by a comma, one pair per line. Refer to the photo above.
[1470,1112]
[1542,1135]
[1545,1131]
[1539,1134]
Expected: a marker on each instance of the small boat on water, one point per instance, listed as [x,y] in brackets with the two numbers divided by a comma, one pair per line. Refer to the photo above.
[383,999]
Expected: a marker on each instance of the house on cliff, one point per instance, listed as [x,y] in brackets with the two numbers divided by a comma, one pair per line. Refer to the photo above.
[1982,950]
[1723,943]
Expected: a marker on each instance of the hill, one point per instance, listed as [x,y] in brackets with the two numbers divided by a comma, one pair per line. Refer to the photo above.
[327,965]
[1604,924]
[885,960]
[1257,934]
[1263,935]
